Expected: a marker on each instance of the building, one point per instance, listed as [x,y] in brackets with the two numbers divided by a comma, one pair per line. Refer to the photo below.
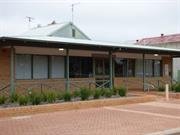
[168,41]
[61,57]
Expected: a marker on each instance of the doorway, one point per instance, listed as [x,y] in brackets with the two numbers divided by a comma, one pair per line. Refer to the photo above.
[102,72]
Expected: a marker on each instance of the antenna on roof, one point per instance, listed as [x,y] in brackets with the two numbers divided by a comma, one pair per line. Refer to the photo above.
[72,11]
[29,21]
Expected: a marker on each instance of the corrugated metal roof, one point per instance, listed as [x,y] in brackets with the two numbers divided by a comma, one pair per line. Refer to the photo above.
[92,43]
[160,40]
[45,30]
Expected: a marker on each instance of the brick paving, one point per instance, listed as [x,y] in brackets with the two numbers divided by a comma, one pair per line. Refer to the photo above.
[136,119]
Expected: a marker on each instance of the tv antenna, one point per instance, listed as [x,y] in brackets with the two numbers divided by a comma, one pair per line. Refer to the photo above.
[72,10]
[29,21]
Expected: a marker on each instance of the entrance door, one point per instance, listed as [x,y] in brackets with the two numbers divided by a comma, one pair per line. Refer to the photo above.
[102,72]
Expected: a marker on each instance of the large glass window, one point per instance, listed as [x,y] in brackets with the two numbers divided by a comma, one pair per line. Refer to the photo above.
[120,67]
[139,68]
[40,67]
[80,67]
[157,68]
[149,68]
[23,66]
[57,67]
[131,67]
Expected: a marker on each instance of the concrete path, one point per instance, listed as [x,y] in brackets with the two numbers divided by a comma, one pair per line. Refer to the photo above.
[136,119]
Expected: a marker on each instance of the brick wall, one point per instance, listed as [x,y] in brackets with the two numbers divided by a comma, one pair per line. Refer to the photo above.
[57,84]
[136,83]
[4,67]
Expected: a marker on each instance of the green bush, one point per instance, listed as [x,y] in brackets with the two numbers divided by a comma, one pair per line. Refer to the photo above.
[85,93]
[108,93]
[44,96]
[51,97]
[103,91]
[122,91]
[60,95]
[14,98]
[161,89]
[177,88]
[67,96]
[23,100]
[36,98]
[115,91]
[97,93]
[2,99]
[76,93]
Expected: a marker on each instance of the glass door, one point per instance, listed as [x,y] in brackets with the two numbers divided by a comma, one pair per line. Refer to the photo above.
[102,72]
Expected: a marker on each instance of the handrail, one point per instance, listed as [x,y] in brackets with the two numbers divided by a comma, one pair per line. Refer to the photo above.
[5,87]
[139,82]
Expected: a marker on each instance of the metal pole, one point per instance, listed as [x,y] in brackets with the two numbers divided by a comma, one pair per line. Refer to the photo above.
[11,70]
[143,71]
[67,70]
[172,71]
[110,70]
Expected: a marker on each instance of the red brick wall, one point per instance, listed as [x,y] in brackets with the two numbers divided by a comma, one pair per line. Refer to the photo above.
[58,84]
[4,67]
[136,83]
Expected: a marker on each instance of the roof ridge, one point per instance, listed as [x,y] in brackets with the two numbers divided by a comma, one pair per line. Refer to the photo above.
[178,34]
[44,26]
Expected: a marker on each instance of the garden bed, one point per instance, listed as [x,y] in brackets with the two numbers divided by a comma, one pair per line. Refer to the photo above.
[66,106]
[50,96]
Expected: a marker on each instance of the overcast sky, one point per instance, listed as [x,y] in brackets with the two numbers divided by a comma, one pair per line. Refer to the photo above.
[104,20]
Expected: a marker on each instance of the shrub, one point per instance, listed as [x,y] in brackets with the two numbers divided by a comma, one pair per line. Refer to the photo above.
[85,93]
[51,97]
[173,86]
[14,98]
[76,93]
[122,91]
[23,100]
[115,91]
[2,99]
[177,88]
[60,95]
[97,93]
[35,98]
[108,93]
[67,96]
[103,91]
[161,89]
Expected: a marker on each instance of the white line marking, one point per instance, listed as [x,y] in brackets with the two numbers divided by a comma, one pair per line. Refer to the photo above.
[141,112]
[164,105]
[166,132]
[21,117]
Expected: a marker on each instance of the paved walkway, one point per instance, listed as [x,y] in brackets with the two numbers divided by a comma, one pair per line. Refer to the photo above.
[136,119]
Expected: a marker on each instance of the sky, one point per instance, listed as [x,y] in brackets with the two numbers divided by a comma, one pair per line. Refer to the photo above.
[102,20]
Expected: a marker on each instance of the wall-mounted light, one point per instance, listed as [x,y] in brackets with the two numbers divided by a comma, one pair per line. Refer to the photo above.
[61,49]
[156,55]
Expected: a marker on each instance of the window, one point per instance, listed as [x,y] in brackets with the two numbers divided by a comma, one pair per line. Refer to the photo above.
[57,67]
[139,68]
[120,67]
[157,68]
[80,67]
[23,66]
[40,67]
[86,67]
[149,68]
[131,67]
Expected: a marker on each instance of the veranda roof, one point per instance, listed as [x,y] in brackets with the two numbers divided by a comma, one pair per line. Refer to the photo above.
[57,42]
